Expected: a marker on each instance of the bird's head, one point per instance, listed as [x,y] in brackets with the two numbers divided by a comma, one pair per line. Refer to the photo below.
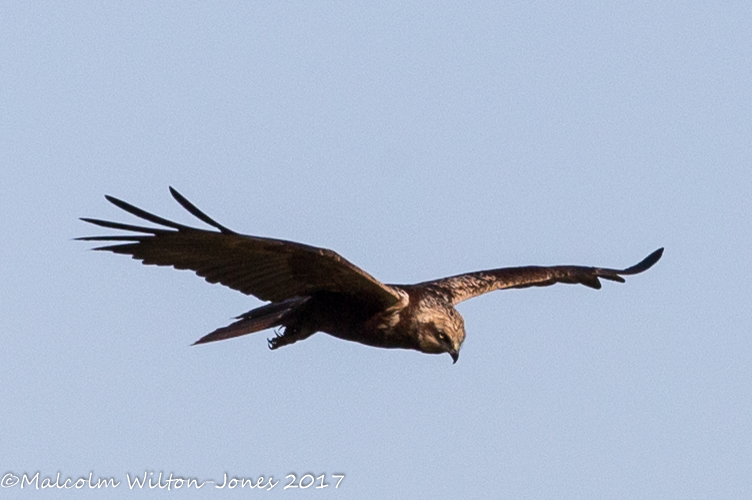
[441,330]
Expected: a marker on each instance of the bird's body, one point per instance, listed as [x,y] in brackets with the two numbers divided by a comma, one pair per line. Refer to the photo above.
[312,289]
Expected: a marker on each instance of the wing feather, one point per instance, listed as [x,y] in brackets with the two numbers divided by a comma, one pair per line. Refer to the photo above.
[266,268]
[465,286]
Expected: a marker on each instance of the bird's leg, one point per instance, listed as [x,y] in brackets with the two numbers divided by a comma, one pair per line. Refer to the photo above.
[288,336]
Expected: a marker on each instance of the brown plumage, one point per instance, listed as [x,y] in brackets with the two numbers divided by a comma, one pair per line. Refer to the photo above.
[312,289]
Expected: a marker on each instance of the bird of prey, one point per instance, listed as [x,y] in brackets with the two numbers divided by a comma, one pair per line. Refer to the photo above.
[312,289]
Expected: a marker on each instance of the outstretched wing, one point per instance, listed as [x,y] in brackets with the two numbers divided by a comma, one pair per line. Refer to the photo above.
[266,268]
[467,286]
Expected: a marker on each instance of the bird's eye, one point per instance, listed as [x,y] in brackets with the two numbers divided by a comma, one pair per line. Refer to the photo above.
[443,337]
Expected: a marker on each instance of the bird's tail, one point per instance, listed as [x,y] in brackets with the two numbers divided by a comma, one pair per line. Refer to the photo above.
[258,319]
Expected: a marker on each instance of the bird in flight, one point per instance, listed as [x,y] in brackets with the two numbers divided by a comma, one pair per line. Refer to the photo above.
[311,289]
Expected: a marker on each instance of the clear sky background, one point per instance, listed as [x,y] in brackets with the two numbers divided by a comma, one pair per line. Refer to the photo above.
[418,142]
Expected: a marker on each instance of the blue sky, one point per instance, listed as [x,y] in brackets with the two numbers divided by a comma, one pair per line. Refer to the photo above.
[418,142]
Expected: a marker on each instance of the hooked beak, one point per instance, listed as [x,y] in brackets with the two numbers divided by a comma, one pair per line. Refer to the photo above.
[455,354]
